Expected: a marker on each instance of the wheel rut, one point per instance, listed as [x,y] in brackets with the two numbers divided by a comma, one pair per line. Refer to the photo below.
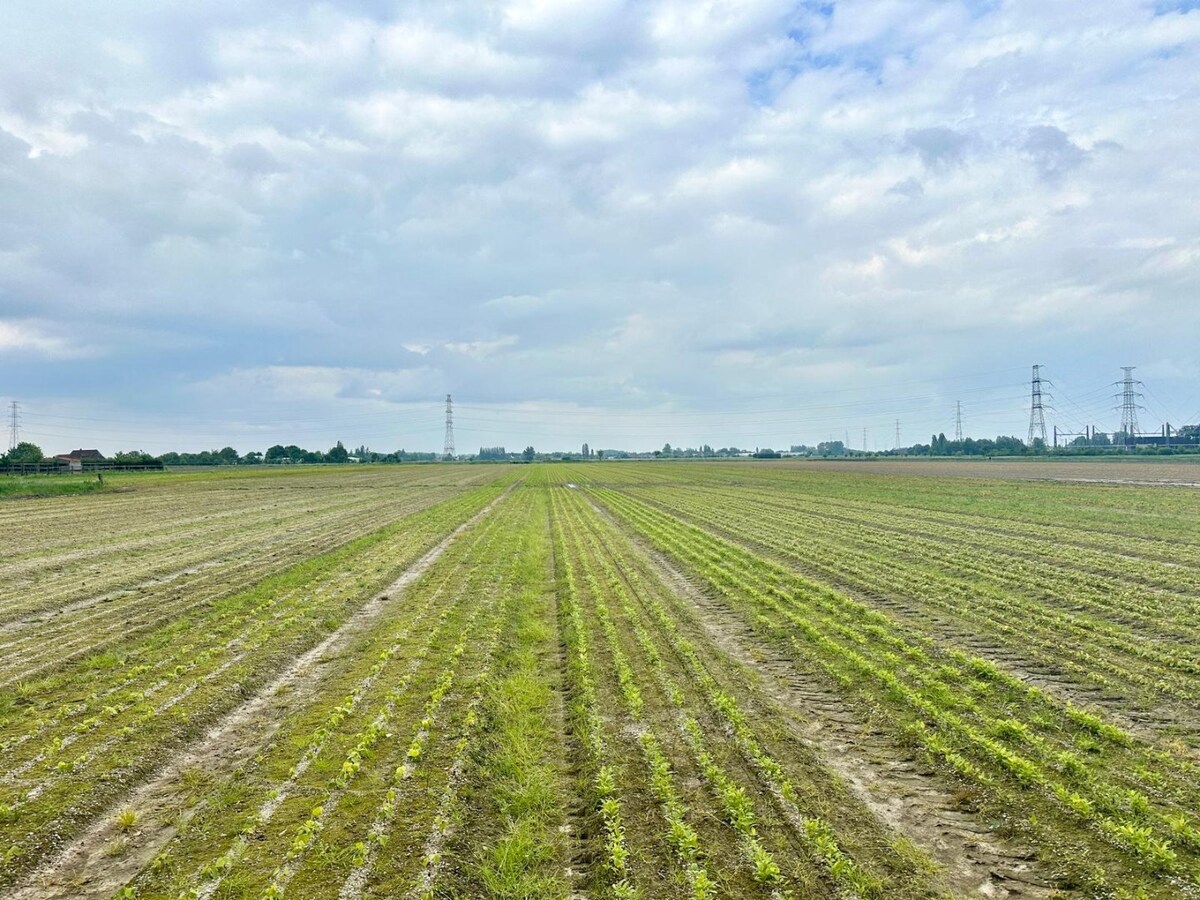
[899,789]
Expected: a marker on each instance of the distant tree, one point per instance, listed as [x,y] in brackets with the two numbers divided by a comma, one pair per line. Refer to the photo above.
[1010,446]
[133,458]
[252,458]
[24,452]
[276,453]
[529,454]
[226,456]
[337,454]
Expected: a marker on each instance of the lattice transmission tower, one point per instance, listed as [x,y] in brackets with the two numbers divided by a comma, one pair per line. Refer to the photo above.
[1129,404]
[1037,408]
[448,445]
[958,420]
[14,425]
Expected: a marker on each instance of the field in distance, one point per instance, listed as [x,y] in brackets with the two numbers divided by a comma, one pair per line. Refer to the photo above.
[650,680]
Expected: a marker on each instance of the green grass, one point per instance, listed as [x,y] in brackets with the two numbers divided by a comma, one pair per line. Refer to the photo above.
[512,844]
[14,487]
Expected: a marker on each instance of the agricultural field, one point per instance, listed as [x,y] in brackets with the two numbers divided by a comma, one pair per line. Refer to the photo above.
[603,680]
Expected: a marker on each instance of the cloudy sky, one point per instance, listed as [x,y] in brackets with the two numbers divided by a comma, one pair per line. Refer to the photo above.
[621,222]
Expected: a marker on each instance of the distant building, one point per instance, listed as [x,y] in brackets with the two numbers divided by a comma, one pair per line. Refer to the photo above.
[76,458]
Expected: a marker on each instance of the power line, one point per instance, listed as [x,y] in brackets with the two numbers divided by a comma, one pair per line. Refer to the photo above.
[1037,409]
[1129,404]
[724,414]
[14,427]
[448,446]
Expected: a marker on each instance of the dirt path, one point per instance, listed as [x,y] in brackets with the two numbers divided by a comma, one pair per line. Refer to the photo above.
[899,789]
[104,858]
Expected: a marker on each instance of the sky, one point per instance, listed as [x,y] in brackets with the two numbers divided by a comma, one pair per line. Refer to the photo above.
[627,223]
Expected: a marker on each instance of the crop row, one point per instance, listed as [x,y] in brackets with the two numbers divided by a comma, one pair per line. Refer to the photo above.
[108,558]
[141,674]
[159,692]
[156,508]
[1166,587]
[1143,520]
[1103,651]
[1052,760]
[661,683]
[324,776]
[646,608]
[117,599]
[502,828]
[815,835]
[1140,526]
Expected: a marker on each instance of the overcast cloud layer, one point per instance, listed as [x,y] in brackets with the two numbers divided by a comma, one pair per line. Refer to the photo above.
[626,223]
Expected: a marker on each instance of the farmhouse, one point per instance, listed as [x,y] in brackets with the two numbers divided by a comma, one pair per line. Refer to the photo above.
[76,458]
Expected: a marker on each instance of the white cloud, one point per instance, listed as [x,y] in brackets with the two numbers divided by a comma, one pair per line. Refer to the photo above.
[602,203]
[18,338]
[481,349]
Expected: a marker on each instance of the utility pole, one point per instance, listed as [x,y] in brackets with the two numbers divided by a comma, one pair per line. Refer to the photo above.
[958,420]
[448,446]
[1129,404]
[1037,409]
[14,426]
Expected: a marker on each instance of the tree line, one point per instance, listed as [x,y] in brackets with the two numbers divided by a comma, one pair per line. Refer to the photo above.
[27,453]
